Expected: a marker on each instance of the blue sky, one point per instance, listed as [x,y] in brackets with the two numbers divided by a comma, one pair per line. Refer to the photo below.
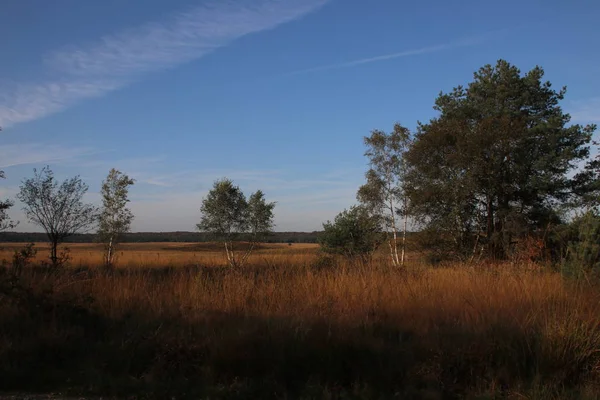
[274,94]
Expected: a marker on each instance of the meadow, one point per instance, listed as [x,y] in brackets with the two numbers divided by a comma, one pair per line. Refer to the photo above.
[172,321]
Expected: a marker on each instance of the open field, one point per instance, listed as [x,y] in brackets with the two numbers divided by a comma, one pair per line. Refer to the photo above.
[164,254]
[171,322]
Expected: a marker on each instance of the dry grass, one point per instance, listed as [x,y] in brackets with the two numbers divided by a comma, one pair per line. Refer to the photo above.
[148,255]
[286,328]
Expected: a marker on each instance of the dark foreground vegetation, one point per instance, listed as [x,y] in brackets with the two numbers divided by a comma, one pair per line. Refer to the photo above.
[304,328]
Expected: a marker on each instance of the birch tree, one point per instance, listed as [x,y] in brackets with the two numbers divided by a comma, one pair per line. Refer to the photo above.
[57,208]
[260,220]
[115,218]
[230,218]
[384,193]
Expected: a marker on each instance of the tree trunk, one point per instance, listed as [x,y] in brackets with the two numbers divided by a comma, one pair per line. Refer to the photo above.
[490,218]
[247,253]
[504,245]
[395,258]
[54,252]
[490,227]
[227,254]
[391,250]
[394,242]
[109,253]
[404,235]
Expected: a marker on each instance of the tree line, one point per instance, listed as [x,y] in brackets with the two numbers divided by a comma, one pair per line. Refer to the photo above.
[500,164]
[58,208]
[499,168]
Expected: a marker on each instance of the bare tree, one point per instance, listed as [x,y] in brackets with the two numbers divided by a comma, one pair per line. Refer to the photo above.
[57,208]
[384,193]
[230,217]
[115,218]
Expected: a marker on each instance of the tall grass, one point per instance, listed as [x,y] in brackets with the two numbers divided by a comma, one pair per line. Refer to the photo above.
[282,328]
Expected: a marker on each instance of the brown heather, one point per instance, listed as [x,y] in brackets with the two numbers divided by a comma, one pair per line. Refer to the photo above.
[171,320]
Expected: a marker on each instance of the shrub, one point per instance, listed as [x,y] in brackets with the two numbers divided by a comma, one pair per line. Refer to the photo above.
[583,251]
[23,257]
[353,234]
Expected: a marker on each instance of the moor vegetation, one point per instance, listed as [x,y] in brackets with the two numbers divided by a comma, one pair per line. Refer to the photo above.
[495,293]
[293,327]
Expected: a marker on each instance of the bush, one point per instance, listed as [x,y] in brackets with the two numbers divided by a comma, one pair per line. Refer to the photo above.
[324,262]
[583,251]
[23,257]
[353,234]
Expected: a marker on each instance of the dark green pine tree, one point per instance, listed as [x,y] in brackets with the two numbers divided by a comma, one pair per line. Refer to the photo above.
[495,163]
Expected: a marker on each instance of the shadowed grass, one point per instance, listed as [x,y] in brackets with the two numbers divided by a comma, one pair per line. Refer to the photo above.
[283,329]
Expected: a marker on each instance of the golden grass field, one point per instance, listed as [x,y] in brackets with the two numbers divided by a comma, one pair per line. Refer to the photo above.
[164,254]
[172,320]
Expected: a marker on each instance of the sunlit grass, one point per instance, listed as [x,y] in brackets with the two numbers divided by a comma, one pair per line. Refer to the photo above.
[286,326]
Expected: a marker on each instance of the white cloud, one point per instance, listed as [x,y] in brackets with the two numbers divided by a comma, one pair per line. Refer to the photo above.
[119,59]
[12,155]
[390,56]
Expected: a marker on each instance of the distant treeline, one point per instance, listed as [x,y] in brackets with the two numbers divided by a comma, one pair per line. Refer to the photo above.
[140,237]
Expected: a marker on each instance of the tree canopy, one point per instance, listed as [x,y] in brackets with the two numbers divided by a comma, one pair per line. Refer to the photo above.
[354,233]
[496,161]
[229,216]
[115,218]
[57,208]
[384,194]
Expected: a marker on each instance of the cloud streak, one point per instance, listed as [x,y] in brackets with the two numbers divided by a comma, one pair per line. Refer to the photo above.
[390,56]
[119,59]
[13,155]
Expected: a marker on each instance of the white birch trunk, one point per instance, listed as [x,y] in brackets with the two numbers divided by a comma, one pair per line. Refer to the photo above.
[109,252]
[404,236]
[396,260]
[229,256]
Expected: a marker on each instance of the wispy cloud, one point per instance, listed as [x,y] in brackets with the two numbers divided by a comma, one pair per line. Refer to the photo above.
[390,56]
[116,60]
[36,153]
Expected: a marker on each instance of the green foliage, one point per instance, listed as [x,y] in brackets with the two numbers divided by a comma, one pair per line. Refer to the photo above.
[495,163]
[434,246]
[583,251]
[230,217]
[115,218]
[587,182]
[57,208]
[224,211]
[384,193]
[354,233]
[259,215]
